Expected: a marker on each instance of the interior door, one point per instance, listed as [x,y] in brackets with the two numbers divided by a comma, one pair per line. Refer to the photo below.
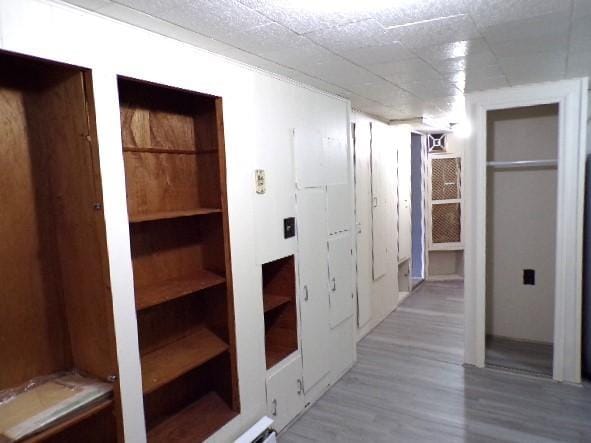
[363,220]
[404,195]
[340,272]
[380,199]
[313,279]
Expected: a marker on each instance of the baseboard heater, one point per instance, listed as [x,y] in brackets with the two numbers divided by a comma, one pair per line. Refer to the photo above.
[260,432]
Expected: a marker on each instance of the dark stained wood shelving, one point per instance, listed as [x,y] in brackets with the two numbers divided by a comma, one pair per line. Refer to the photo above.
[272,301]
[166,215]
[168,151]
[149,296]
[70,421]
[194,423]
[170,362]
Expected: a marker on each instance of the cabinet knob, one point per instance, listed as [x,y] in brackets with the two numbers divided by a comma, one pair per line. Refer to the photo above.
[306,294]
[274,407]
[300,386]
[334,284]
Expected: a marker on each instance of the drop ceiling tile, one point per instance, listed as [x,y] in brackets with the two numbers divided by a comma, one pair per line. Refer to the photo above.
[409,11]
[306,16]
[377,54]
[211,22]
[356,35]
[556,24]
[383,92]
[301,54]
[492,12]
[153,7]
[435,53]
[265,38]
[545,43]
[473,61]
[93,5]
[534,68]
[406,70]
[341,73]
[435,32]
[431,89]
[580,40]
[483,83]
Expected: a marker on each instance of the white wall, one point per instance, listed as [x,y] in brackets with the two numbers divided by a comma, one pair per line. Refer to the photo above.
[521,224]
[258,111]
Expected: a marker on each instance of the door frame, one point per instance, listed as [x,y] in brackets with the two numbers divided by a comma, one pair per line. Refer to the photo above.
[571,97]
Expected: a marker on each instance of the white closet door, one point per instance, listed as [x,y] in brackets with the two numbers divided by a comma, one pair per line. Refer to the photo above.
[309,157]
[285,394]
[340,210]
[404,190]
[380,197]
[336,161]
[313,279]
[363,220]
[340,272]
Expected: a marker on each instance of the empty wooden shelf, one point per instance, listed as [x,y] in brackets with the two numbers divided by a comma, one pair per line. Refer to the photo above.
[57,312]
[279,305]
[171,361]
[194,423]
[171,289]
[139,218]
[173,148]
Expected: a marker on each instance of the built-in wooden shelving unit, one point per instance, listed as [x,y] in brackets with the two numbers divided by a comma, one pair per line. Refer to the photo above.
[175,174]
[56,313]
[279,305]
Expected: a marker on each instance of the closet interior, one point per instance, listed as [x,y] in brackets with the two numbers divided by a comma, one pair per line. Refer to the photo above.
[521,237]
[173,147]
[58,370]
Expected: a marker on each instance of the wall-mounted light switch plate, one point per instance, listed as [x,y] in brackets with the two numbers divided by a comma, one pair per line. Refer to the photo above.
[259,176]
[289,227]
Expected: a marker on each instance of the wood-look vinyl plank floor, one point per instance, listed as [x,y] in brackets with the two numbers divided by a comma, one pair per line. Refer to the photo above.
[409,385]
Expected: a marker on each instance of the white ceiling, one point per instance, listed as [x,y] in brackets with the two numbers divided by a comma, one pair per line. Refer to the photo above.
[395,59]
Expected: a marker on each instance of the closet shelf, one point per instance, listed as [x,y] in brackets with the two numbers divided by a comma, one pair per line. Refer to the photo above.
[168,151]
[171,361]
[194,423]
[95,408]
[155,216]
[272,301]
[162,292]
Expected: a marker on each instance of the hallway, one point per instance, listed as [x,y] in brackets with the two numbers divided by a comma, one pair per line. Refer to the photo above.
[409,385]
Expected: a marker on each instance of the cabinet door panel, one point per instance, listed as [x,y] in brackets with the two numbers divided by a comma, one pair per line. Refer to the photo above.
[313,275]
[336,161]
[309,161]
[340,211]
[285,395]
[404,189]
[340,270]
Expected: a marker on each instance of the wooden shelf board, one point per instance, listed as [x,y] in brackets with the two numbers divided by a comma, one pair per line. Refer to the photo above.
[272,301]
[172,289]
[168,151]
[154,216]
[170,362]
[194,423]
[70,420]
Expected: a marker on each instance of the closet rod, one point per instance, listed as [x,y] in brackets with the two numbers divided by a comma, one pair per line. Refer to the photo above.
[523,164]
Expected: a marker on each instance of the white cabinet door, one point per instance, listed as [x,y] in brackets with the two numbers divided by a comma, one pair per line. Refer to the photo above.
[285,393]
[404,196]
[336,161]
[363,220]
[313,279]
[340,209]
[381,198]
[309,157]
[340,272]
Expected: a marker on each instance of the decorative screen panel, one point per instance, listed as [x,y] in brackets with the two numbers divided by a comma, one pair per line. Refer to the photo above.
[446,223]
[445,178]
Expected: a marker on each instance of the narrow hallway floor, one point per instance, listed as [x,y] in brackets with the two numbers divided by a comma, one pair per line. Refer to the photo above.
[409,385]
